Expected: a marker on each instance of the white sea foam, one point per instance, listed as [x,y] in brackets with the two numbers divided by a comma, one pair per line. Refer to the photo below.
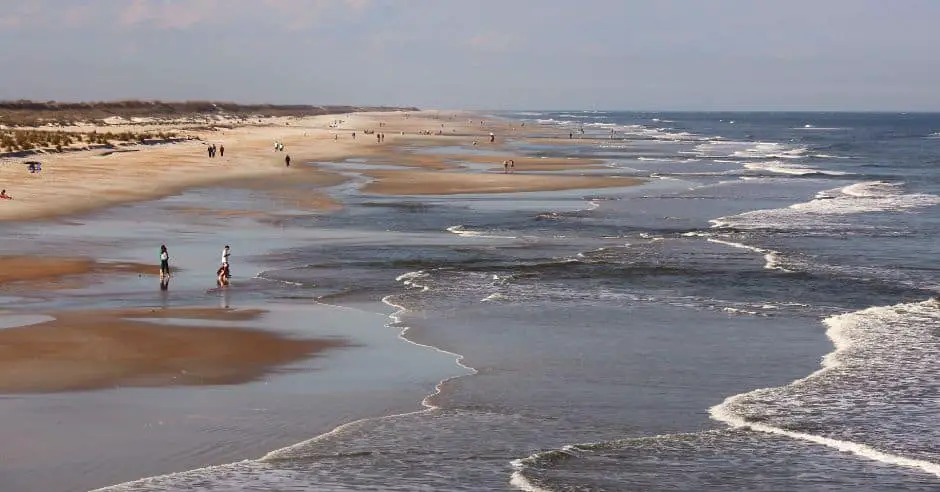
[410,279]
[779,167]
[496,296]
[864,197]
[875,349]
[771,257]
[748,150]
[462,231]
[819,128]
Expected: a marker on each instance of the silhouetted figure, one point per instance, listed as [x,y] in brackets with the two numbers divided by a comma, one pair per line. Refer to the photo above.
[221,151]
[287,160]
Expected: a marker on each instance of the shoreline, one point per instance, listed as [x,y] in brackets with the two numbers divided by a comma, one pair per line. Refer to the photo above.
[77,182]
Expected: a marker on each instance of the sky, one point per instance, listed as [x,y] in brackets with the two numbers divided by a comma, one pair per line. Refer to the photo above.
[828,55]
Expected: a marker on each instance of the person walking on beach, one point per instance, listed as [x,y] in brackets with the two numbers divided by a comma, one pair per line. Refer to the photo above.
[287,160]
[209,150]
[221,151]
[226,253]
[164,262]
[492,137]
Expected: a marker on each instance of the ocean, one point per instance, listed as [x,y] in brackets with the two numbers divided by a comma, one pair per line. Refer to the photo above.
[761,314]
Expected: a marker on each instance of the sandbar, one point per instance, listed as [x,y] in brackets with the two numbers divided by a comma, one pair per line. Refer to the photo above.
[394,182]
[50,272]
[102,349]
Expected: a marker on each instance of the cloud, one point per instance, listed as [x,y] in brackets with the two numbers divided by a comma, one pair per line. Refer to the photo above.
[494,42]
[78,15]
[19,16]
[184,14]
[173,14]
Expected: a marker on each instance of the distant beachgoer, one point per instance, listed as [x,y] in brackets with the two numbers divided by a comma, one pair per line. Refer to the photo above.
[570,135]
[505,167]
[378,137]
[164,262]
[512,165]
[3,195]
[287,160]
[335,136]
[221,151]
[492,137]
[354,135]
[226,253]
[209,150]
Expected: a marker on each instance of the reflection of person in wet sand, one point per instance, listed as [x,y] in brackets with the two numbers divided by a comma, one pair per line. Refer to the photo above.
[222,275]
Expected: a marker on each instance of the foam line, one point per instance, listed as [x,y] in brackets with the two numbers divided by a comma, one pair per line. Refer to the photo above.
[835,332]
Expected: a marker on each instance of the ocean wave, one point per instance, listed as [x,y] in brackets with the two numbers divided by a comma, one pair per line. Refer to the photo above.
[882,354]
[858,198]
[748,150]
[410,279]
[779,167]
[810,127]
[771,257]
[830,156]
[463,231]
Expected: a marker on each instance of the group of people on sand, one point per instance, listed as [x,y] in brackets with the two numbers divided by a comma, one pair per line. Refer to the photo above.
[222,275]
[213,150]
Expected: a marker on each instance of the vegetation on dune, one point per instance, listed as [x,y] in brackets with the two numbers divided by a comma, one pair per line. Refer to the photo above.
[34,113]
[25,140]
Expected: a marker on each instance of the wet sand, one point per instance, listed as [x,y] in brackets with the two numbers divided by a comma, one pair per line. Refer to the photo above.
[99,349]
[47,272]
[393,182]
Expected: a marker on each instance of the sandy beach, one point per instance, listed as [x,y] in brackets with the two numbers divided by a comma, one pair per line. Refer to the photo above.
[79,181]
[111,339]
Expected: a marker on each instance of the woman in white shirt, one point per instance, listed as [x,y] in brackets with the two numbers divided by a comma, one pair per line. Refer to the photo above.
[164,262]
